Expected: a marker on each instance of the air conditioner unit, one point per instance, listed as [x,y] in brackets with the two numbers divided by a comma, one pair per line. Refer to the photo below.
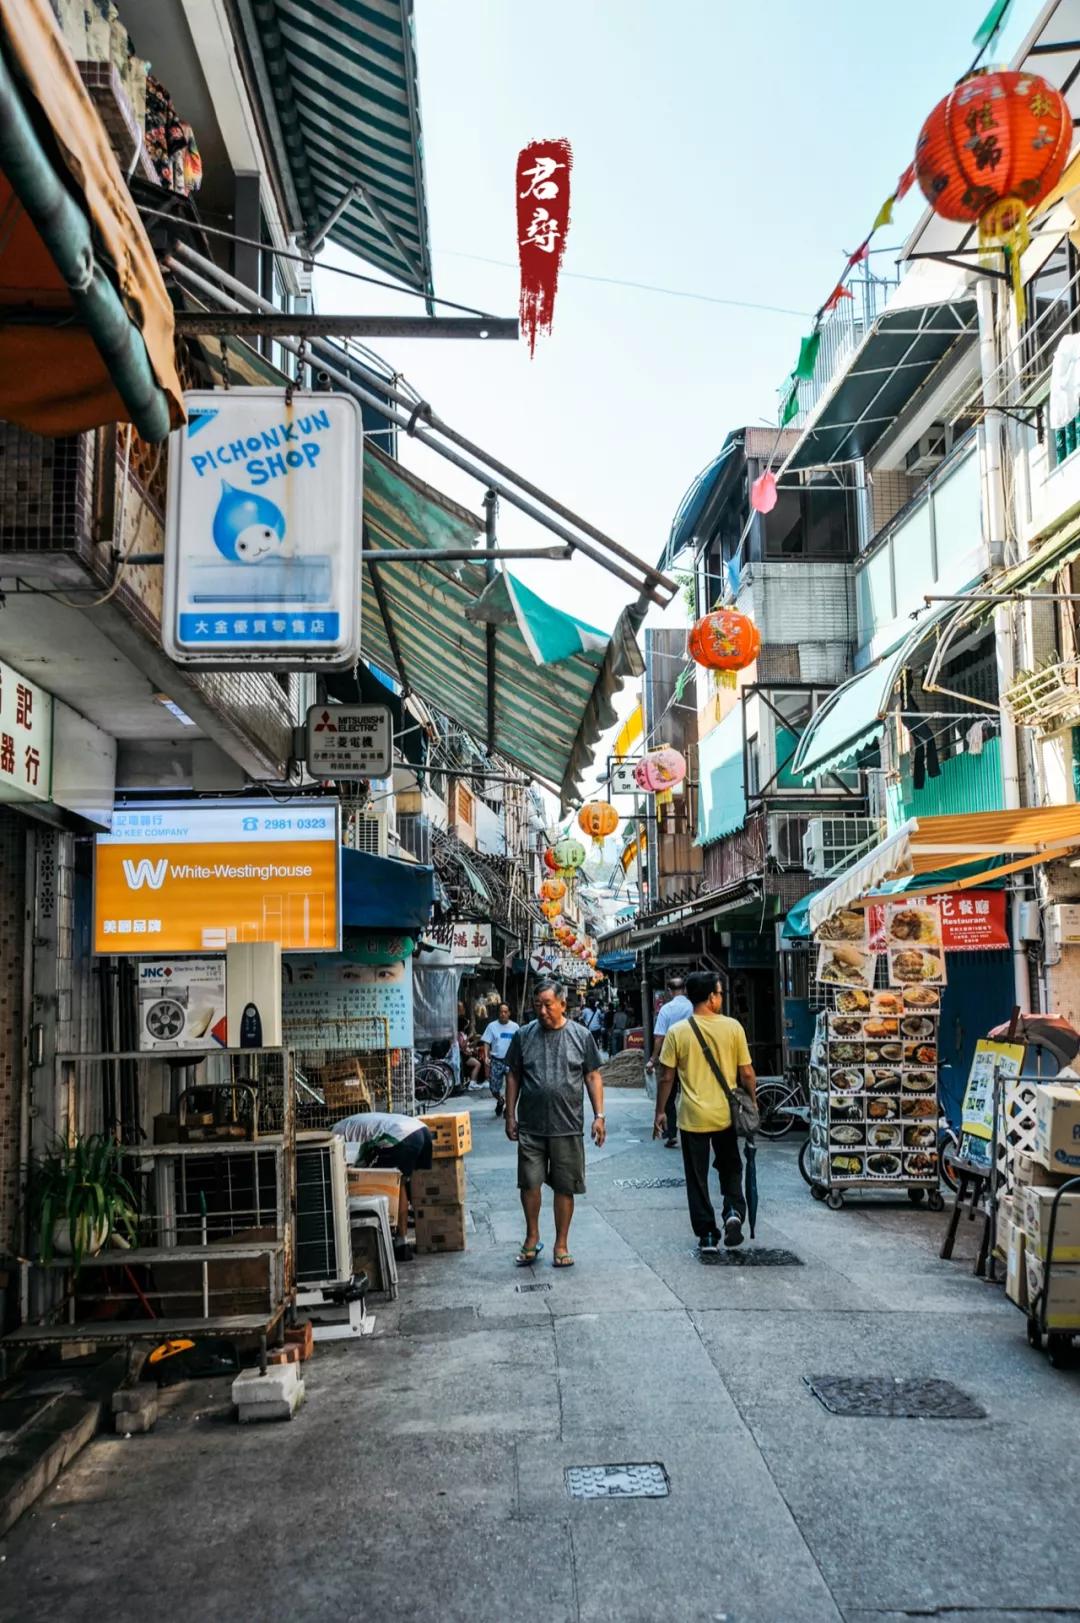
[786,832]
[369,832]
[323,1243]
[929,449]
[831,842]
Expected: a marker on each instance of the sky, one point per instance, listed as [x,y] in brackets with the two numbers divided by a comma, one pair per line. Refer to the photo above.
[731,150]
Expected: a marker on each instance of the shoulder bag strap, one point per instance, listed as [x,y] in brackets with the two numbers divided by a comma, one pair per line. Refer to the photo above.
[713,1062]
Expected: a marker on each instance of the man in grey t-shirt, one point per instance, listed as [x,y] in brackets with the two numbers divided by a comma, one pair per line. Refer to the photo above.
[551,1062]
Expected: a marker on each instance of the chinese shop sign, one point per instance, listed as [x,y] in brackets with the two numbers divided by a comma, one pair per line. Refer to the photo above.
[330,1004]
[543,216]
[194,876]
[26,726]
[971,921]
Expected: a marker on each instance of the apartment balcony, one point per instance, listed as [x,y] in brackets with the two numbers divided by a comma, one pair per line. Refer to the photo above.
[73,511]
[842,331]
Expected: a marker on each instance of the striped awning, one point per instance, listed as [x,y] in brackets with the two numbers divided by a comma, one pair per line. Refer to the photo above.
[342,78]
[554,677]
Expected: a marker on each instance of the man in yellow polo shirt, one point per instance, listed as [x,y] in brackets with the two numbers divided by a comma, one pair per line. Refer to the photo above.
[704,1111]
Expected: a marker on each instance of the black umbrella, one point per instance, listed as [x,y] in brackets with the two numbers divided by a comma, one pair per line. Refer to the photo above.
[750,1193]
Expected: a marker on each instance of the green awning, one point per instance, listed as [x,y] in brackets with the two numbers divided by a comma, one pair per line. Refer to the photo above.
[721,785]
[853,715]
[554,675]
[339,77]
[1050,552]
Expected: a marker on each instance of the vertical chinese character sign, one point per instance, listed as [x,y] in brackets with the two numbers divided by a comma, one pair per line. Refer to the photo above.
[543,217]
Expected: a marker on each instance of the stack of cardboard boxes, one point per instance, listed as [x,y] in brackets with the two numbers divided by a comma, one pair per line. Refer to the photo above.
[438,1196]
[1025,1219]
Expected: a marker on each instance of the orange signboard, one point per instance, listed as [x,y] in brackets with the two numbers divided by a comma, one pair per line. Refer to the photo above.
[195,877]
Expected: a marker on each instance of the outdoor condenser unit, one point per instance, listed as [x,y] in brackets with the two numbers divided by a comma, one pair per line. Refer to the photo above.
[323,1239]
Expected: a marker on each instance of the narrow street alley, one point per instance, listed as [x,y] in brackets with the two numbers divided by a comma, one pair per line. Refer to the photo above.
[424,1476]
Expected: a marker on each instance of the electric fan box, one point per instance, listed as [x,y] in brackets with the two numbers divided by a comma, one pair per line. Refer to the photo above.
[181,1004]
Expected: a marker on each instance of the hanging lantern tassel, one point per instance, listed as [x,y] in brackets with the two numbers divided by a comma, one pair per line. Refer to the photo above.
[1005,226]
[724,679]
[664,798]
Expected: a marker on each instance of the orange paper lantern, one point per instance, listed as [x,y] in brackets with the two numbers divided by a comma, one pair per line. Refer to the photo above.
[598,820]
[724,641]
[553,890]
[991,150]
[550,910]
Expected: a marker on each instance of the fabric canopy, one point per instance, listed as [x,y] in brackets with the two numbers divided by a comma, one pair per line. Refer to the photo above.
[341,75]
[383,893]
[86,326]
[994,844]
[554,677]
[721,779]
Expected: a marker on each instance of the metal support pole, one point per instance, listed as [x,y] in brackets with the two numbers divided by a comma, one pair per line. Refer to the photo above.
[250,324]
[646,1012]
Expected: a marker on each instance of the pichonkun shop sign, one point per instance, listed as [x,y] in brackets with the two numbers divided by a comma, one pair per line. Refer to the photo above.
[263,531]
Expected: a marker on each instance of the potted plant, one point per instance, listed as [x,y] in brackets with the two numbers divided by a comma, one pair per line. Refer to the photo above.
[79,1198]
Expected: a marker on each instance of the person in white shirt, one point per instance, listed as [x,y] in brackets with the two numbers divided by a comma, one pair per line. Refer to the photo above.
[495,1045]
[377,1139]
[678,1007]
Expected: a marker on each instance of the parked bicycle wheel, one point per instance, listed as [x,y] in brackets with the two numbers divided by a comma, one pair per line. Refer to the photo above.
[772,1098]
[433,1082]
[948,1147]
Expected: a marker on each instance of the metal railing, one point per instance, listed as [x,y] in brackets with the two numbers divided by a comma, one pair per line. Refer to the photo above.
[841,333]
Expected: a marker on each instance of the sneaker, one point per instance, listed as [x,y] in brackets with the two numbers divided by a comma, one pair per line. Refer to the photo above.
[709,1244]
[733,1234]
[500,1106]
[671,1143]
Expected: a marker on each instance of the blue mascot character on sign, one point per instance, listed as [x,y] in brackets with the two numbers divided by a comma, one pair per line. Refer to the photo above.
[248,528]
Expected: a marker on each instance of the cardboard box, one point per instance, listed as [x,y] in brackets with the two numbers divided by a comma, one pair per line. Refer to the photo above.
[444,1185]
[1063,1304]
[1026,1171]
[1037,1205]
[377,1181]
[1016,1267]
[451,1131]
[1057,1127]
[440,1228]
[1003,1227]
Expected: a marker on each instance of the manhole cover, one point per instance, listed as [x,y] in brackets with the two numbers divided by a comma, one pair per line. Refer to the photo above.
[617,1482]
[650,1183]
[524,1289]
[885,1396]
[755,1256]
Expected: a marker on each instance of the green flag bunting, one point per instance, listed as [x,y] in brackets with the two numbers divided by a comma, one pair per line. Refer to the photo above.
[680,685]
[808,354]
[992,22]
[791,406]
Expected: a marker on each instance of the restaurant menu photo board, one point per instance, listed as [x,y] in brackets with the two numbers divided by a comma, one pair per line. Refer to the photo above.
[195,876]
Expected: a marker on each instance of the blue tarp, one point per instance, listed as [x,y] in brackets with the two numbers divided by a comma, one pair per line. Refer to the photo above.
[382,893]
[614,962]
[722,790]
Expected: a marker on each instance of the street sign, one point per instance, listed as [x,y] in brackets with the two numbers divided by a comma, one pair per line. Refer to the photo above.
[26,728]
[193,876]
[263,531]
[621,775]
[350,741]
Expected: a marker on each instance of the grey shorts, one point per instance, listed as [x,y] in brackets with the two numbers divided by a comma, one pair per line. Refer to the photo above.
[558,1162]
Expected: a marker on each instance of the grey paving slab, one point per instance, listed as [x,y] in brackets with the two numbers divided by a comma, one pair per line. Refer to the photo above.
[635,1363]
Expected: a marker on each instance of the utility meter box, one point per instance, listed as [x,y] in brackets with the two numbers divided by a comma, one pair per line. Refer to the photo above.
[253,994]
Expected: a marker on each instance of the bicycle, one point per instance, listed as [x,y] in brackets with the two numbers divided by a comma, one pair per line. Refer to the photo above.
[781,1103]
[433,1080]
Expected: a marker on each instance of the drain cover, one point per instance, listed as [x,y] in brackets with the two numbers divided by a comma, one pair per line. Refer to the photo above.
[757,1256]
[884,1396]
[650,1183]
[617,1481]
[523,1289]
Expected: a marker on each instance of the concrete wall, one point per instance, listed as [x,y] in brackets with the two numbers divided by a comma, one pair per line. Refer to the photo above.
[12,1049]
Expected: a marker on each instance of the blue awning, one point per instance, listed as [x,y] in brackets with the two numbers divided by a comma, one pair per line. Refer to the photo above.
[693,505]
[722,786]
[615,962]
[797,924]
[383,893]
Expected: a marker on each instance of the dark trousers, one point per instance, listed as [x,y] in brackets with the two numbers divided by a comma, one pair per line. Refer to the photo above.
[728,1163]
[672,1111]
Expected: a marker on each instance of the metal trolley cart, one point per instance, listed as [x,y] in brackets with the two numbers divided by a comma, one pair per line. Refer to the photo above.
[1058,1337]
[874,1104]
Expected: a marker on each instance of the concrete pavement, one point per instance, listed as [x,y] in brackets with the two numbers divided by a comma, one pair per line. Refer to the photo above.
[424,1477]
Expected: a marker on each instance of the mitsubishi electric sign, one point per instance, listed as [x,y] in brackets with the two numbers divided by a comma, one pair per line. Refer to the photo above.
[191,876]
[263,531]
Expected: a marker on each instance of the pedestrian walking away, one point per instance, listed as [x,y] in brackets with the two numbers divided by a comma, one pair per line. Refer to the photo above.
[704,1110]
[495,1045]
[552,1063]
[678,1007]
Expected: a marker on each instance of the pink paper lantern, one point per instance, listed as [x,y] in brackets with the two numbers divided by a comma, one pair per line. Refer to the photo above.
[763,496]
[661,769]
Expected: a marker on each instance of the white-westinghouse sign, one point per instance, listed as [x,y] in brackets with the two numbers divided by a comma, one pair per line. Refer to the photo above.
[263,530]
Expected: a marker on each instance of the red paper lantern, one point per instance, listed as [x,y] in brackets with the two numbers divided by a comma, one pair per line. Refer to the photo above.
[551,861]
[724,641]
[991,150]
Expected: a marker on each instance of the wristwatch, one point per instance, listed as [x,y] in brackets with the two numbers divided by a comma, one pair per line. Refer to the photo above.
[599,1116]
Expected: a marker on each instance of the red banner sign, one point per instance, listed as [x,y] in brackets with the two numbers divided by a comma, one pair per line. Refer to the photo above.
[971,921]
[543,216]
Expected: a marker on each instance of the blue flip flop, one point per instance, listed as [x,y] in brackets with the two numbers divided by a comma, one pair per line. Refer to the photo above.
[528,1255]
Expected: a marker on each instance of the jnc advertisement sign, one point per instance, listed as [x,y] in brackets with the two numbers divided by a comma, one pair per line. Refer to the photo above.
[263,530]
[195,877]
[182,1003]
